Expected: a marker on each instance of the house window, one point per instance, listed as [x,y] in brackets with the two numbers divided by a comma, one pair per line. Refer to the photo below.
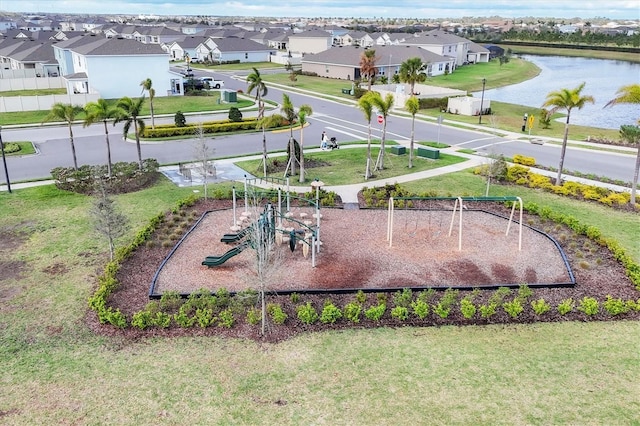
[439,67]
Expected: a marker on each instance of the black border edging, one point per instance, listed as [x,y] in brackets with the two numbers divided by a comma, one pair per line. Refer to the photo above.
[353,290]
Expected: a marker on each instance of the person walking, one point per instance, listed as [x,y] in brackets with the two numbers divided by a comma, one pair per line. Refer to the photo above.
[325,141]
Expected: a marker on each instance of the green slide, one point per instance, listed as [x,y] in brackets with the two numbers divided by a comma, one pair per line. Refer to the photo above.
[219,260]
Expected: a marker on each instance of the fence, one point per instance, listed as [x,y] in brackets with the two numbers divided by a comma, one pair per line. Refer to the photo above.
[45,102]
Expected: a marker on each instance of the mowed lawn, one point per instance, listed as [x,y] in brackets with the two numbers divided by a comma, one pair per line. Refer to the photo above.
[53,370]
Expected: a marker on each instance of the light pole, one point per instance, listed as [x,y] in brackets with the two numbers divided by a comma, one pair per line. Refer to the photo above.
[484,81]
[4,162]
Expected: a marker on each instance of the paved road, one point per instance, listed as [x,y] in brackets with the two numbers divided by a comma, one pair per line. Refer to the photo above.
[344,121]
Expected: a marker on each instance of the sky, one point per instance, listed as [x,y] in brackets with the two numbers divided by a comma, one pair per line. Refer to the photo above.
[613,9]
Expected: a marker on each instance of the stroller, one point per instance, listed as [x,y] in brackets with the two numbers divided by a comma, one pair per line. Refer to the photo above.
[333,144]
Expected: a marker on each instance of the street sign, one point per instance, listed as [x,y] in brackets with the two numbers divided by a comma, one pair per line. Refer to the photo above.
[380,119]
[531,120]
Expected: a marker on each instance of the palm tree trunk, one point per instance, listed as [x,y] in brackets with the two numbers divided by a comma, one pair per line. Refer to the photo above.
[367,172]
[301,180]
[153,121]
[564,149]
[413,124]
[634,184]
[73,148]
[380,160]
[135,127]
[264,152]
[106,133]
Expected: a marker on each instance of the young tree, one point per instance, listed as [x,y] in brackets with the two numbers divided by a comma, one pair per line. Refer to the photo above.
[384,108]
[146,85]
[101,110]
[412,72]
[368,67]
[304,112]
[412,105]
[566,99]
[257,84]
[129,113]
[107,221]
[366,106]
[629,94]
[203,153]
[273,120]
[68,114]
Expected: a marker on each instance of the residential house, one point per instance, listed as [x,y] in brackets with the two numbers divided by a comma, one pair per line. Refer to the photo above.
[312,41]
[235,49]
[356,38]
[343,62]
[445,44]
[185,47]
[113,67]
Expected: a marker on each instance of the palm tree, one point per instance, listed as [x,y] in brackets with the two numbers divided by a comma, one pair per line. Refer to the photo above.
[629,94]
[566,99]
[256,83]
[101,110]
[289,112]
[413,106]
[305,111]
[412,72]
[384,108]
[365,104]
[129,112]
[368,67]
[66,113]
[146,85]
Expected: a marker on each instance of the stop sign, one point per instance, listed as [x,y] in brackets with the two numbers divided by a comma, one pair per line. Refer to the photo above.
[380,119]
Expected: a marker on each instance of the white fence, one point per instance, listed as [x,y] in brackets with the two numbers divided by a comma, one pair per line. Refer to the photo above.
[35,103]
[31,83]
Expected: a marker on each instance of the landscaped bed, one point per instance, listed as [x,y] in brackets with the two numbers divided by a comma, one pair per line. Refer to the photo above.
[355,250]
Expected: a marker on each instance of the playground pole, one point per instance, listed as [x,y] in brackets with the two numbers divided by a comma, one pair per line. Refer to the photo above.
[280,207]
[233,190]
[288,200]
[246,195]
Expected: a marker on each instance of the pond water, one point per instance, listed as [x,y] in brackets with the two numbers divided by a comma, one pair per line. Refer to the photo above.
[603,78]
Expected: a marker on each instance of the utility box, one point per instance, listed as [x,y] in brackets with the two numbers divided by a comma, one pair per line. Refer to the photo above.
[230,96]
[429,153]
[398,150]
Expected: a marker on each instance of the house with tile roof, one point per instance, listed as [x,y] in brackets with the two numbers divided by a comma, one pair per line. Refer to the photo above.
[112,67]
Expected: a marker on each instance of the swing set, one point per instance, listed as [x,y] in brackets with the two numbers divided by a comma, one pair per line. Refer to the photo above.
[458,208]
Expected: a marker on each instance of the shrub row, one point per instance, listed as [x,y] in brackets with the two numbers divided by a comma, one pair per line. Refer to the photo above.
[125,177]
[522,175]
[107,281]
[203,309]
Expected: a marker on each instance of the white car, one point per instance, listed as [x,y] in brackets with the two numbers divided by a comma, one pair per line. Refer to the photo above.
[212,82]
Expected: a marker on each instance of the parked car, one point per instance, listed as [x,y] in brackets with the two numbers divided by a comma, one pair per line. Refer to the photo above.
[212,82]
[193,84]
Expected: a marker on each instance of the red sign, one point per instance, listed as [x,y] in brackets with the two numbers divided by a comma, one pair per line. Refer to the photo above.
[380,119]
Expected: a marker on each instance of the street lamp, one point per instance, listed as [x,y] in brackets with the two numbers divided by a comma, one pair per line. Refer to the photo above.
[484,81]
[524,122]
[4,161]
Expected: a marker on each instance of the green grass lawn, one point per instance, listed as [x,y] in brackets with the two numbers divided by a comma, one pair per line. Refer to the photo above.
[347,166]
[58,372]
[34,92]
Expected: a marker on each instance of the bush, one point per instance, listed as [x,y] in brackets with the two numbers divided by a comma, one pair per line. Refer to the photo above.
[448,299]
[513,308]
[330,313]
[589,306]
[307,314]
[179,119]
[400,313]
[540,306]
[254,316]
[235,115]
[352,311]
[225,318]
[376,312]
[525,161]
[10,147]
[566,306]
[403,298]
[420,308]
[616,306]
[467,308]
[278,316]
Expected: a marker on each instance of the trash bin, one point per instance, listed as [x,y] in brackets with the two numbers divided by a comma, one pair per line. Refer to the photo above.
[346,91]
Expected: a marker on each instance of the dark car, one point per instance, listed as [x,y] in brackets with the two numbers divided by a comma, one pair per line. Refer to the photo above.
[193,84]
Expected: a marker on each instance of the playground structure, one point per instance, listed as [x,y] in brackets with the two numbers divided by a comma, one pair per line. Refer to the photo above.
[457,207]
[269,227]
